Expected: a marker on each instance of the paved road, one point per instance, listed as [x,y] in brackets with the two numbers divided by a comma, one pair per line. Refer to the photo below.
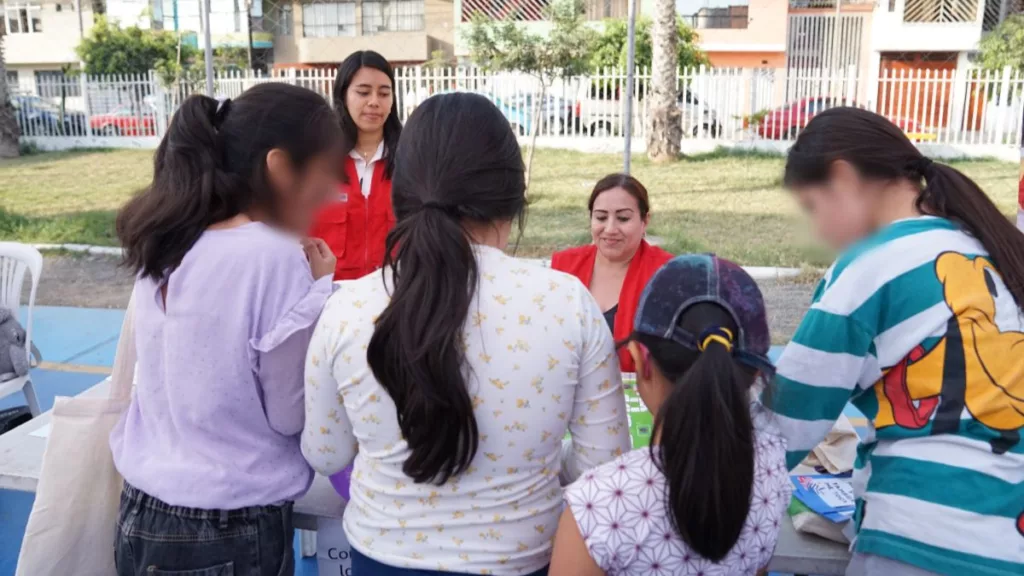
[98,282]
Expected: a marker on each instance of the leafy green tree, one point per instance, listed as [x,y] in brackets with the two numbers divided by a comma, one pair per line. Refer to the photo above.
[1004,46]
[110,49]
[610,47]
[506,46]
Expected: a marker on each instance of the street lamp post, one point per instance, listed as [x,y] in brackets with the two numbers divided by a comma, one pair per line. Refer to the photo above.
[248,26]
[630,81]
[207,46]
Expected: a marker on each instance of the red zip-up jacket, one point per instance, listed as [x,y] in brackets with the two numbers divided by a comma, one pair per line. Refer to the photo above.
[354,226]
[580,263]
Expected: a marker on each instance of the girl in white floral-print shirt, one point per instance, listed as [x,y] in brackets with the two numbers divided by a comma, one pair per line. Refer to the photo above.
[453,378]
[707,498]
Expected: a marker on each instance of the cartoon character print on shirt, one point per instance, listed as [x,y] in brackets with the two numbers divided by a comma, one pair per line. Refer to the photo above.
[975,365]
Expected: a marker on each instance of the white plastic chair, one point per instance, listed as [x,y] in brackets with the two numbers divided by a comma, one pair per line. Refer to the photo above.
[15,259]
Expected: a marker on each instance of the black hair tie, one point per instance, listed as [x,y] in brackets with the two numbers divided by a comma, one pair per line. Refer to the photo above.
[438,206]
[922,166]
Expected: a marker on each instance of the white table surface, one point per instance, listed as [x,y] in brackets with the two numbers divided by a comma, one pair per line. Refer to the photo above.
[21,456]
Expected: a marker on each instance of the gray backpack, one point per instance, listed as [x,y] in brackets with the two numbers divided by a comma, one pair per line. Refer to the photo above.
[13,360]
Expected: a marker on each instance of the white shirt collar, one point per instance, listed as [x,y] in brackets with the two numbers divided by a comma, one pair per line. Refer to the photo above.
[378,155]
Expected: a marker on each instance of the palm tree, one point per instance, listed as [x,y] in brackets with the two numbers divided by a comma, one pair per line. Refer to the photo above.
[665,130]
[9,131]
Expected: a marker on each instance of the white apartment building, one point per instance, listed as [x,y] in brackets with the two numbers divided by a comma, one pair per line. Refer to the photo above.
[41,38]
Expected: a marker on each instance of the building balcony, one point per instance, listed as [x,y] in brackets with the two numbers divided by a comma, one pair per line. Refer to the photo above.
[534,10]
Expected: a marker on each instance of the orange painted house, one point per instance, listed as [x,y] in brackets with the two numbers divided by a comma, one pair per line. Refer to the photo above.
[739,33]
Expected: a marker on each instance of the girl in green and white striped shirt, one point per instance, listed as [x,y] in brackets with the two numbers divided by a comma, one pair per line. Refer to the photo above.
[919,324]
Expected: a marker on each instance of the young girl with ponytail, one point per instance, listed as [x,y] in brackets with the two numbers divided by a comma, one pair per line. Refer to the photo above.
[226,299]
[452,378]
[707,496]
[919,323]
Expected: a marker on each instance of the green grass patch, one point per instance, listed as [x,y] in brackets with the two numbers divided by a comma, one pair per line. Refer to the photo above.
[726,202]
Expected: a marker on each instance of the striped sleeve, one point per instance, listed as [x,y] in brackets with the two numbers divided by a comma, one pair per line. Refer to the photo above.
[816,375]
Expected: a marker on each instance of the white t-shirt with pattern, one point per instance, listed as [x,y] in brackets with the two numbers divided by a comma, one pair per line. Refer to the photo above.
[620,511]
[541,361]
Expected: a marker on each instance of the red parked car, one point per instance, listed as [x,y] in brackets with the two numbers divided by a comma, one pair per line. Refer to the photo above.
[126,120]
[787,121]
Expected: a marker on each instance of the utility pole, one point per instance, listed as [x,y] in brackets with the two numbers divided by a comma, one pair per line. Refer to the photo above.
[207,45]
[630,82]
[834,63]
[248,26]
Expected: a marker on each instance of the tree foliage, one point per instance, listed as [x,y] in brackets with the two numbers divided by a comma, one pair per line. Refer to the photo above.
[507,46]
[610,48]
[110,49]
[1004,46]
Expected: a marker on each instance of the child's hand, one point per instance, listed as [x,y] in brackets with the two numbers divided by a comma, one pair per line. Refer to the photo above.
[321,259]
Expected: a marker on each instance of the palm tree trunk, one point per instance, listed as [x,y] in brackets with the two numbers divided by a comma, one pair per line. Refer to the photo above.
[9,131]
[664,130]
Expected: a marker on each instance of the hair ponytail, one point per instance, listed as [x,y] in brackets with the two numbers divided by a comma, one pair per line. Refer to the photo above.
[188,193]
[416,348]
[879,150]
[705,435]
[951,194]
[211,166]
[457,164]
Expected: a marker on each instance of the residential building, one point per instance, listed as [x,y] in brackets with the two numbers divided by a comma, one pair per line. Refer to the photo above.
[739,33]
[41,39]
[531,15]
[323,33]
[734,33]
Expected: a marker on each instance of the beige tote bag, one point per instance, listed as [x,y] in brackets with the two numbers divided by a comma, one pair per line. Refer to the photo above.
[72,525]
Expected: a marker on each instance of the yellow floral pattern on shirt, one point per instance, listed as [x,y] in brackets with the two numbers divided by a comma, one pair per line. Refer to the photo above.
[534,375]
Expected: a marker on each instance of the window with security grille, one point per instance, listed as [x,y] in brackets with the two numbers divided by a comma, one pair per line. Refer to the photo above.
[392,16]
[329,19]
[940,10]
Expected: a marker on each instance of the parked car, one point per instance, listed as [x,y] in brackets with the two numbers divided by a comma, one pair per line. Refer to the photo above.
[126,120]
[38,117]
[518,110]
[600,114]
[787,121]
[556,114]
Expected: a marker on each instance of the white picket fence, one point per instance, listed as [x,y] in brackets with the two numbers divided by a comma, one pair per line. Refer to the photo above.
[966,109]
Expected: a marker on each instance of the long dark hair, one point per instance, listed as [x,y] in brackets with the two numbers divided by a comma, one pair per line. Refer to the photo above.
[878,149]
[627,183]
[392,124]
[211,166]
[458,163]
[705,434]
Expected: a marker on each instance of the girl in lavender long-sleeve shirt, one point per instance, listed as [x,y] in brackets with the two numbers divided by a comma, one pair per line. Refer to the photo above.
[226,299]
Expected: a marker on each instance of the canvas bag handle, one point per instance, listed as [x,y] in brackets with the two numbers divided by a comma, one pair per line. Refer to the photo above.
[123,375]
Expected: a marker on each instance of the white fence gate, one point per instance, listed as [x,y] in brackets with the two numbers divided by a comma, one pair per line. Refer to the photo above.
[969,110]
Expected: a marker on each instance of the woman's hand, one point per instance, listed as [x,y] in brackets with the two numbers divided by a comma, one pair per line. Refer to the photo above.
[321,259]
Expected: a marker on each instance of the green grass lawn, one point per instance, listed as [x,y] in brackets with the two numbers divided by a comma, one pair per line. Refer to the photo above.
[730,204]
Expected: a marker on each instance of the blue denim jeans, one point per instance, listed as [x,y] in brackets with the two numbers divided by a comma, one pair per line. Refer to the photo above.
[363,566]
[155,538]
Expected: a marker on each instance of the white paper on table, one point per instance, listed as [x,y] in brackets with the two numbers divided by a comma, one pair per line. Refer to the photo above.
[333,553]
[41,432]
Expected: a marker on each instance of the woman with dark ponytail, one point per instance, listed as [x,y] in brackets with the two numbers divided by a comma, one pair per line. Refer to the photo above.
[452,379]
[707,496]
[227,294]
[919,322]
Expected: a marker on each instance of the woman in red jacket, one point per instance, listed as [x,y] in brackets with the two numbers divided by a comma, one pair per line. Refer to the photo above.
[356,222]
[617,266]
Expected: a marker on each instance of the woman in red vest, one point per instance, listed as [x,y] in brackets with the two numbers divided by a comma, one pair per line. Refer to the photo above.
[357,221]
[617,266]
